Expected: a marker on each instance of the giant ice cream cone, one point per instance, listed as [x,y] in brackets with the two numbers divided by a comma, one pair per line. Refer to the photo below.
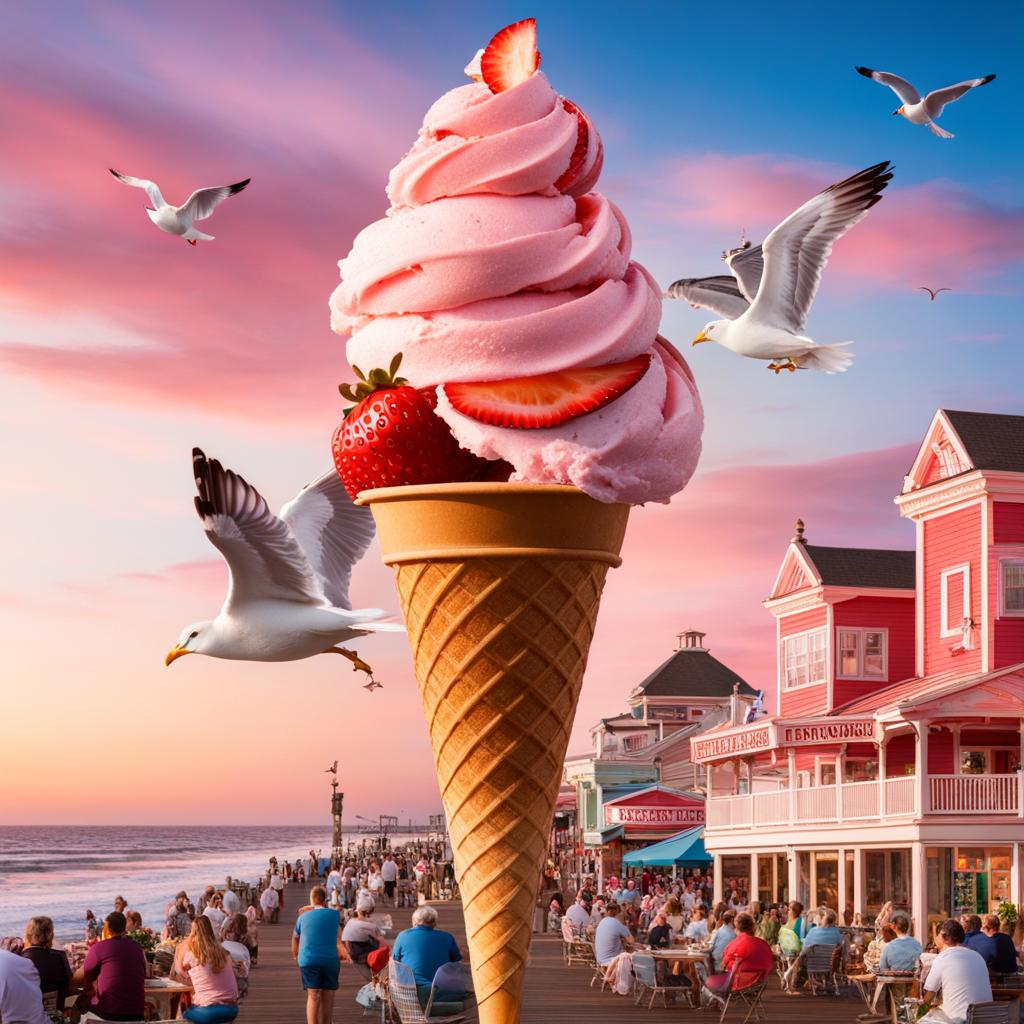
[499,585]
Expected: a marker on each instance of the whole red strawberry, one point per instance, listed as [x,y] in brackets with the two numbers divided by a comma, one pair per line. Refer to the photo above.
[392,436]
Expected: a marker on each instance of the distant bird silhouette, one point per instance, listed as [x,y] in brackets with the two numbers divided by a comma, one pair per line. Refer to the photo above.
[333,770]
[177,220]
[372,685]
[925,288]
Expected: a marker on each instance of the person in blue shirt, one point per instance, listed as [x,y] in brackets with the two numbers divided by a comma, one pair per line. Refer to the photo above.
[424,948]
[1004,959]
[903,952]
[976,939]
[825,933]
[315,947]
[723,935]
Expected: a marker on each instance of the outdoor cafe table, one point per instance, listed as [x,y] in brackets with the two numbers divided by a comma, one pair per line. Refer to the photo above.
[873,997]
[161,990]
[686,957]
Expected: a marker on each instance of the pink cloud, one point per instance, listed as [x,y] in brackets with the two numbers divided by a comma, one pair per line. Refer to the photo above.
[935,232]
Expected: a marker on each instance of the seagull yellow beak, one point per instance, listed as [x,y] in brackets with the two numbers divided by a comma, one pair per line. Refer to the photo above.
[700,337]
[175,653]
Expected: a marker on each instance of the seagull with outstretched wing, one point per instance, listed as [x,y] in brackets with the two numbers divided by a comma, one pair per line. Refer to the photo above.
[794,256]
[333,770]
[289,574]
[728,296]
[932,291]
[179,220]
[923,111]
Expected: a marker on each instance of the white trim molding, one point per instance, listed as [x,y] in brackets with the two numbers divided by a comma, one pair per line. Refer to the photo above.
[957,629]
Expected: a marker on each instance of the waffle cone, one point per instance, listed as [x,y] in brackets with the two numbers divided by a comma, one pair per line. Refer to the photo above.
[500,586]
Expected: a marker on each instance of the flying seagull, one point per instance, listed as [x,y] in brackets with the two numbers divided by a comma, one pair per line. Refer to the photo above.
[178,220]
[728,296]
[289,574]
[333,770]
[928,110]
[795,253]
[932,293]
[372,685]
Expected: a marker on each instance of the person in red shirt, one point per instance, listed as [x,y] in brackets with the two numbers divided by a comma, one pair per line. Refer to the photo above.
[755,953]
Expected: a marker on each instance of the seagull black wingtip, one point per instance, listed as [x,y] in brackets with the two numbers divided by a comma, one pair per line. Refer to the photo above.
[866,72]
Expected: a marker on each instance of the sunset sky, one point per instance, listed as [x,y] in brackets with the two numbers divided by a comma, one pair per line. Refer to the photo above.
[123,347]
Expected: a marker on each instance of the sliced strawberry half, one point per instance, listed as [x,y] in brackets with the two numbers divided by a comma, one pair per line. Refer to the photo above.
[511,56]
[548,399]
[579,155]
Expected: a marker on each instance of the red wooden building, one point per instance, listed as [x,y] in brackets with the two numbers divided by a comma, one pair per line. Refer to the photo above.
[892,769]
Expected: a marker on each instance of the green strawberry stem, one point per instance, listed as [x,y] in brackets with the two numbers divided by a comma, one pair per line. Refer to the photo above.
[377,380]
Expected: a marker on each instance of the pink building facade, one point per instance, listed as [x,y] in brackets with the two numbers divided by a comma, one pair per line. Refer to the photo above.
[892,769]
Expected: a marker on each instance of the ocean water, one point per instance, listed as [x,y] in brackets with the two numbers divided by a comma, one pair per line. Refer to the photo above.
[62,871]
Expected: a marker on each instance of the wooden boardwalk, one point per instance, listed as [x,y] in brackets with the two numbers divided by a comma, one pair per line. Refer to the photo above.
[555,994]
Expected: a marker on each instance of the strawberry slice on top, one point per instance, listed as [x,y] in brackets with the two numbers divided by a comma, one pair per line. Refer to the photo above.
[511,57]
[547,399]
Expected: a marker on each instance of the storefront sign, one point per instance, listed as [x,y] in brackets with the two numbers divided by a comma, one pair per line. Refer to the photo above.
[829,732]
[672,817]
[735,743]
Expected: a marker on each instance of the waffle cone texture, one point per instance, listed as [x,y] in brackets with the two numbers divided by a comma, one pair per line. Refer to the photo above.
[500,586]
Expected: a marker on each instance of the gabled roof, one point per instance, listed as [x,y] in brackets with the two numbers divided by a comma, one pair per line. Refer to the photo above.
[692,672]
[992,440]
[864,567]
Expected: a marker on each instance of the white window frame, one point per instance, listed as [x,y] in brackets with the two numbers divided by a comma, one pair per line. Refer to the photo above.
[944,577]
[860,631]
[1004,612]
[807,633]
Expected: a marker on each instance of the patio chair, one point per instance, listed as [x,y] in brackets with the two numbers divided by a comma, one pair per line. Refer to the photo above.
[405,1001]
[819,963]
[575,948]
[449,980]
[645,970]
[783,965]
[734,984]
[991,1013]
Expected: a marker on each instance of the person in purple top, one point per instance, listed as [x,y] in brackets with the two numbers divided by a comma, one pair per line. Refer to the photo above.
[115,968]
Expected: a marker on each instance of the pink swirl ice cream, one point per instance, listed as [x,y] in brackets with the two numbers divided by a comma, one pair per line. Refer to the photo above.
[496,261]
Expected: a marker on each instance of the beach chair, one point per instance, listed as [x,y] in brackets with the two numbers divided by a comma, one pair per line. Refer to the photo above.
[819,963]
[991,1013]
[645,970]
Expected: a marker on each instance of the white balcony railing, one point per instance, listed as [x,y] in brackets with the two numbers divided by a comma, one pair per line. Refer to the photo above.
[974,794]
[859,801]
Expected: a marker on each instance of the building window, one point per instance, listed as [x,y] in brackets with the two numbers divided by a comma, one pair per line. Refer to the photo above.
[1011,586]
[862,654]
[804,659]
[635,742]
[696,712]
[955,588]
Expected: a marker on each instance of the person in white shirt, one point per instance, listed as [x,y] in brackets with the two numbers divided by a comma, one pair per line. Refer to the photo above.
[612,936]
[21,998]
[697,929]
[959,974]
[688,898]
[277,884]
[578,916]
[269,905]
[389,875]
[215,912]
[333,883]
[232,902]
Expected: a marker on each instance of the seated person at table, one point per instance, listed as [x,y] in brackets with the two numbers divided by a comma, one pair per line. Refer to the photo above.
[697,929]
[115,969]
[360,935]
[721,937]
[674,913]
[578,914]
[612,936]
[233,938]
[876,947]
[660,935]
[209,968]
[52,964]
[21,999]
[959,974]
[755,953]
[424,948]
[825,933]
[270,905]
[1004,952]
[902,953]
